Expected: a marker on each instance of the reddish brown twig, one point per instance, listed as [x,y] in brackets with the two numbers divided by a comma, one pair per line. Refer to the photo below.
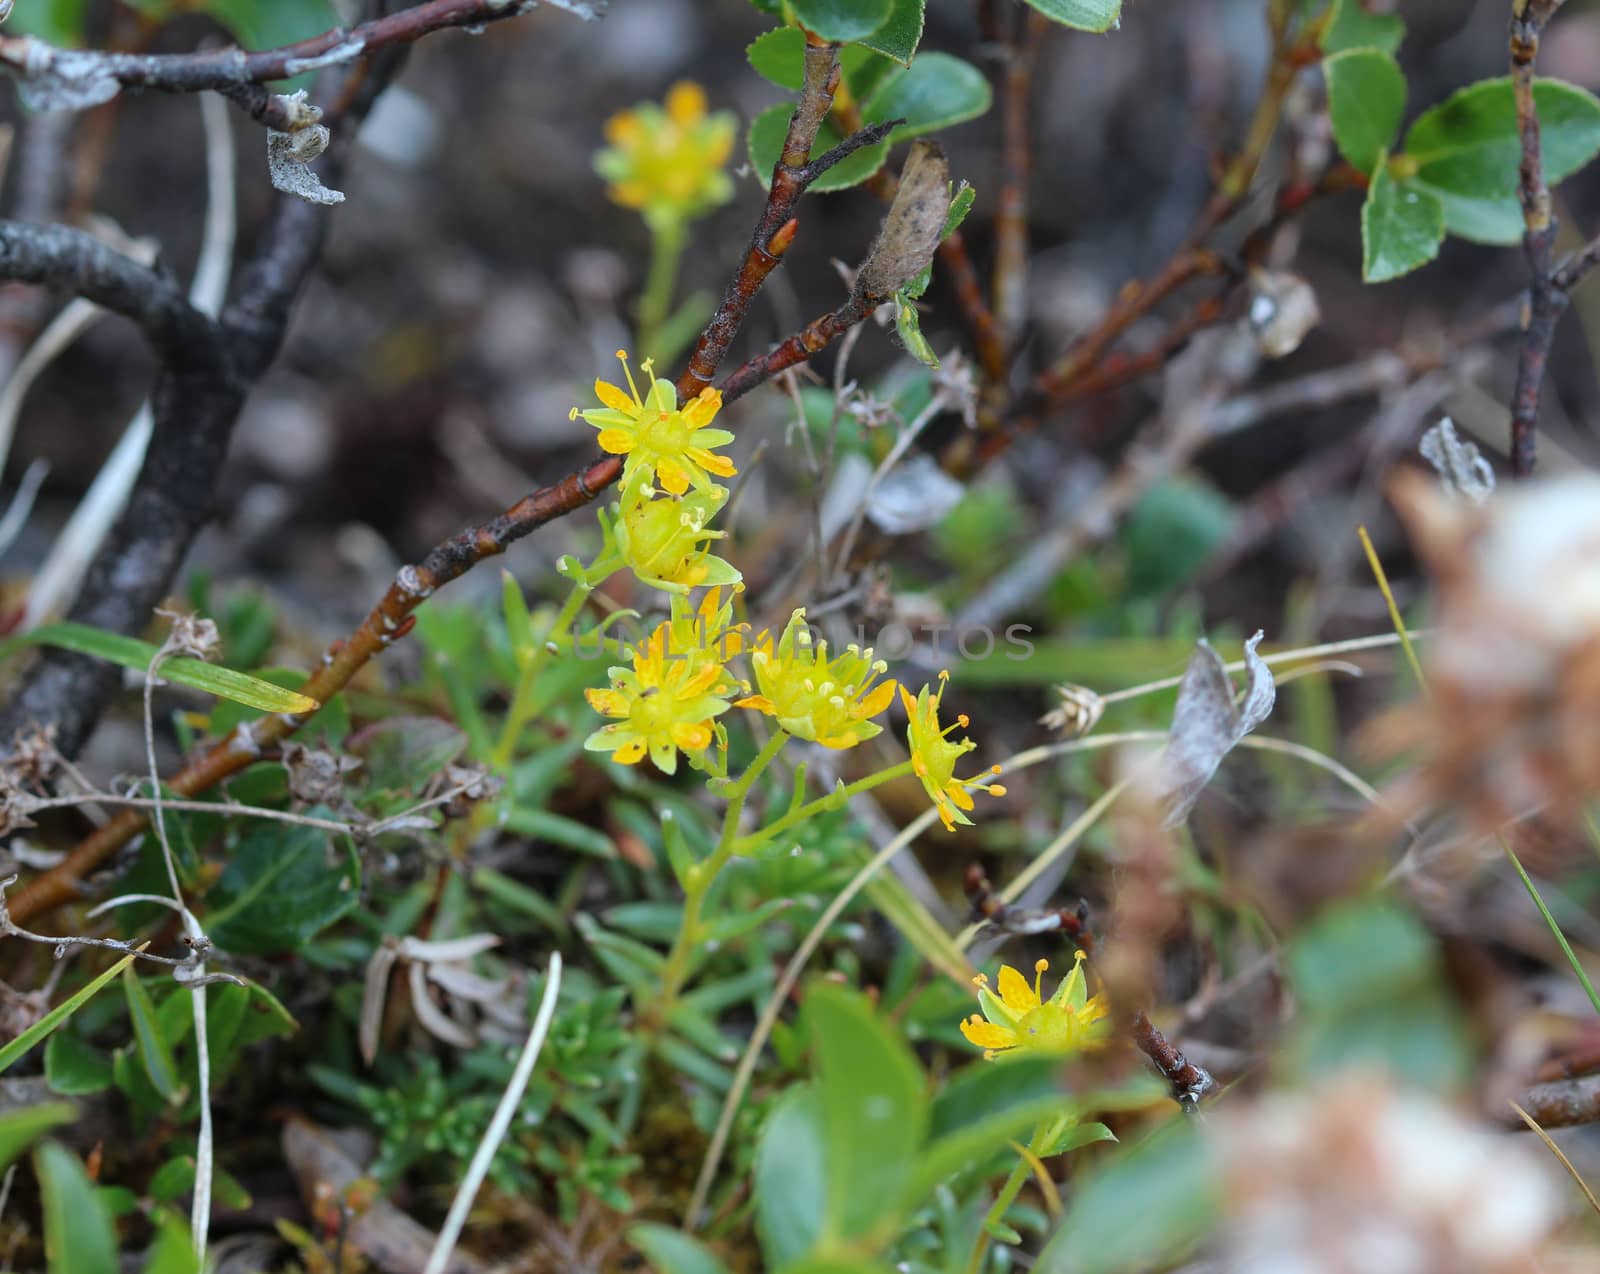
[1547,302]
[1562,1103]
[390,619]
[775,230]
[1011,202]
[83,77]
[1189,1082]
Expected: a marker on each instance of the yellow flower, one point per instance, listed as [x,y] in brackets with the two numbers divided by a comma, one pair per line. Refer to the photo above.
[1017,1018]
[667,161]
[933,757]
[665,703]
[660,442]
[707,630]
[827,701]
[666,541]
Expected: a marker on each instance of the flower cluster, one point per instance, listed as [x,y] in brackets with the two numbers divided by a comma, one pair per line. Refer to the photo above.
[933,757]
[1018,1018]
[823,700]
[667,161]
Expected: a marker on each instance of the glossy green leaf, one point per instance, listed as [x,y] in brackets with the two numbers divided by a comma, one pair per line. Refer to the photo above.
[155,1050]
[842,20]
[791,1177]
[898,37]
[78,1234]
[765,143]
[56,1016]
[21,1127]
[1402,227]
[1467,151]
[130,652]
[283,885]
[873,1111]
[172,1252]
[672,1251]
[1139,1212]
[908,326]
[75,1068]
[778,56]
[1366,98]
[1353,26]
[936,91]
[326,727]
[1085,15]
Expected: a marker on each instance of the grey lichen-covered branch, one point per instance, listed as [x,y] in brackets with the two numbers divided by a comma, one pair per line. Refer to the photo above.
[54,78]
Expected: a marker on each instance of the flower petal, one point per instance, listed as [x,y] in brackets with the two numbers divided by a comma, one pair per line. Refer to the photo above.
[615,398]
[631,752]
[703,407]
[1019,997]
[672,477]
[686,102]
[987,1035]
[618,442]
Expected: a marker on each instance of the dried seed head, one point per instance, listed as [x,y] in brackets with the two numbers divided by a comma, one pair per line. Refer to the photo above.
[1078,712]
[913,227]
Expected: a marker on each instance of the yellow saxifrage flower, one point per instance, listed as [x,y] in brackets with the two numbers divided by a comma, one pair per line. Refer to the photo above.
[667,161]
[1018,1019]
[661,442]
[933,757]
[824,700]
[666,541]
[666,702]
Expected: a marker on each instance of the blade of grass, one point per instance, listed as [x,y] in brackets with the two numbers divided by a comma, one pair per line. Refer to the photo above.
[56,1016]
[130,652]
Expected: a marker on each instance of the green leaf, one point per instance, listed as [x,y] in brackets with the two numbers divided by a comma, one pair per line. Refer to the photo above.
[672,1251]
[767,132]
[403,753]
[155,1051]
[78,1234]
[841,20]
[21,1127]
[58,21]
[1366,98]
[1173,529]
[1353,27]
[56,1016]
[283,885]
[836,1265]
[270,24]
[791,1177]
[873,1111]
[1141,1211]
[130,652]
[909,328]
[75,1068]
[1085,15]
[936,91]
[172,1252]
[778,56]
[899,36]
[328,724]
[1402,226]
[1467,150]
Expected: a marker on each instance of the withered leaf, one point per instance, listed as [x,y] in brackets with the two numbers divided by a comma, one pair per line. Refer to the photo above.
[1207,724]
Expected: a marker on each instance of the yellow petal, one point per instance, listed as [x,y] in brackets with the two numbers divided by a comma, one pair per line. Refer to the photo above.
[878,700]
[614,397]
[1016,992]
[686,102]
[960,796]
[607,702]
[719,465]
[623,128]
[703,407]
[987,1034]
[630,753]
[619,442]
[759,702]
[673,479]
[691,738]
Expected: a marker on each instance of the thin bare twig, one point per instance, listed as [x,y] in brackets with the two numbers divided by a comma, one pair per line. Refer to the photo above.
[1547,302]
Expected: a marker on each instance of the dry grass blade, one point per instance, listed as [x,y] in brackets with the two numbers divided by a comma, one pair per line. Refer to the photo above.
[1557,1152]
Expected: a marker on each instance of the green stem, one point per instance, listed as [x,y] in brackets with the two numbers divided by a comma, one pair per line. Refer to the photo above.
[700,877]
[1003,1201]
[524,706]
[832,801]
[667,242]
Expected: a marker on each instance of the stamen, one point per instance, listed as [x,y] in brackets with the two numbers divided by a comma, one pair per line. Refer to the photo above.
[632,388]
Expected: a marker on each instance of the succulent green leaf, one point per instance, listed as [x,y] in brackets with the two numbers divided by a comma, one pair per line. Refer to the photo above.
[1402,226]
[1366,98]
